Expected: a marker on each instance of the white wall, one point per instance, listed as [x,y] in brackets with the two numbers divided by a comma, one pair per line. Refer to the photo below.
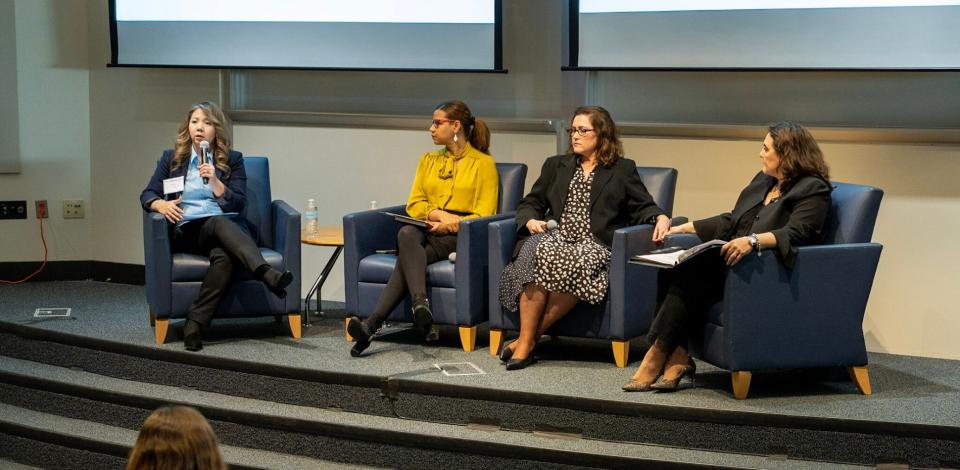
[345,169]
[54,107]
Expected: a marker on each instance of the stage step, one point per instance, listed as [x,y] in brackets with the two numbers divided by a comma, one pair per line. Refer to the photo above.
[308,432]
[524,413]
[118,441]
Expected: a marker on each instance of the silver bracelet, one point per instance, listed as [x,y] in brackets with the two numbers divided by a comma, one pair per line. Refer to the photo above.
[755,242]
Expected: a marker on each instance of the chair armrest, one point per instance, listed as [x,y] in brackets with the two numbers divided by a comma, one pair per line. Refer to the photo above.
[470,270]
[158,263]
[684,240]
[809,316]
[633,288]
[286,238]
[501,236]
[364,233]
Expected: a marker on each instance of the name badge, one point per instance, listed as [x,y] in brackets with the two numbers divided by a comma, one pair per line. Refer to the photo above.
[173,185]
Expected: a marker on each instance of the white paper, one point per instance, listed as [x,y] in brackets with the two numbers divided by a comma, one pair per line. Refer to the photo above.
[173,185]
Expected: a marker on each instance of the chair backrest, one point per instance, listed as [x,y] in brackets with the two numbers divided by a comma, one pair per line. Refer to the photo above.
[661,183]
[853,213]
[512,178]
[259,199]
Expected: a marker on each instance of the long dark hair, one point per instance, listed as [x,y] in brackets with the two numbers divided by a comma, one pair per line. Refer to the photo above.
[220,144]
[800,155]
[475,129]
[609,147]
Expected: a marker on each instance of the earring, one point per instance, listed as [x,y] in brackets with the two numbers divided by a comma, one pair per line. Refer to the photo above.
[455,138]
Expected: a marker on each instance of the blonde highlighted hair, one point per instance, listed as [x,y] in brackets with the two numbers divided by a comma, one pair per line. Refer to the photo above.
[220,144]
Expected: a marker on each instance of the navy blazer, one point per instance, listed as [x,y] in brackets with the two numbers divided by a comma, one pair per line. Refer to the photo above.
[618,198]
[234,197]
[798,217]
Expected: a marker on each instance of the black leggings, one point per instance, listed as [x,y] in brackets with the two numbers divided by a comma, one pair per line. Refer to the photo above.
[687,291]
[227,245]
[416,249]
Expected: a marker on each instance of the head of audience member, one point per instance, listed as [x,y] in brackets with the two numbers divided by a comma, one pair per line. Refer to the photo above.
[176,438]
[593,132]
[789,152]
[453,122]
[204,121]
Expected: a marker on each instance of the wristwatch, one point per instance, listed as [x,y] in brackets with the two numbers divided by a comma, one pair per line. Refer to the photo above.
[754,242]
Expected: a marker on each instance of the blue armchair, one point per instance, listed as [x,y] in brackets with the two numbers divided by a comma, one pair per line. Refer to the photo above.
[173,279]
[807,317]
[457,291]
[629,308]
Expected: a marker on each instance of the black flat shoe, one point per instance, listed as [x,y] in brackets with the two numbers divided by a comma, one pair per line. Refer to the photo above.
[192,342]
[422,315]
[664,385]
[278,281]
[361,336]
[517,364]
[505,352]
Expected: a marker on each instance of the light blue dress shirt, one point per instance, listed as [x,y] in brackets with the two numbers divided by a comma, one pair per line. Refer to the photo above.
[198,199]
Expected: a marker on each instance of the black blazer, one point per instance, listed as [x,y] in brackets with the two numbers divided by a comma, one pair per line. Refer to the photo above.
[618,198]
[234,198]
[798,217]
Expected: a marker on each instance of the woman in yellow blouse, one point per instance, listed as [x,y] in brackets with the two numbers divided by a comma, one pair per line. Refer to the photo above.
[454,183]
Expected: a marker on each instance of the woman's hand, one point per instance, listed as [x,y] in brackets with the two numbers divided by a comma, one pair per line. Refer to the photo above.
[170,210]
[734,250]
[444,217]
[207,170]
[535,226]
[440,228]
[661,229]
[682,228]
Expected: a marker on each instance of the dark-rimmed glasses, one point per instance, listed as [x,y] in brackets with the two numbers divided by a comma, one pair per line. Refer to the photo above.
[438,122]
[581,131]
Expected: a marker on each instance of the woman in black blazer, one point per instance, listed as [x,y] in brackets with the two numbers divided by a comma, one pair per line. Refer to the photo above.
[204,213]
[565,228]
[783,207]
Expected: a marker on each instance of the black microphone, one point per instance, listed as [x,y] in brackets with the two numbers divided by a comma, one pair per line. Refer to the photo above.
[204,151]
[551,225]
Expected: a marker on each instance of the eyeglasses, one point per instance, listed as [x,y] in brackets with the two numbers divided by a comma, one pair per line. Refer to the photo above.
[581,131]
[438,122]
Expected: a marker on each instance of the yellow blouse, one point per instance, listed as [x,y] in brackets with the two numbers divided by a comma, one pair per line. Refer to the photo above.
[471,189]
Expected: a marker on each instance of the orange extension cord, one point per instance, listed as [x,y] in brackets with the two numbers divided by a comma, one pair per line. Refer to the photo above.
[42,265]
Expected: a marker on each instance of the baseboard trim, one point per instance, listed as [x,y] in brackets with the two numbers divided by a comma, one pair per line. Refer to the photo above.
[103,271]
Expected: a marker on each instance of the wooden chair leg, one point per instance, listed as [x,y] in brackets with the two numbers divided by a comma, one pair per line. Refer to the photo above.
[861,378]
[160,330]
[741,384]
[153,319]
[496,339]
[468,337]
[621,352]
[293,319]
[346,331]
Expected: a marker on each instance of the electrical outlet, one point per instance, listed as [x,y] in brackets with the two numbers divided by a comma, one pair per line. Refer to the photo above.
[42,209]
[73,208]
[13,209]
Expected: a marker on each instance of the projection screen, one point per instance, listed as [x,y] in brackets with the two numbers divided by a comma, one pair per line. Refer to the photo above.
[358,34]
[765,34]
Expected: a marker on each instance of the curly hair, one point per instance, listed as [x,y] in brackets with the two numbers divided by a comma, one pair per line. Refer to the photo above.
[176,437]
[221,139]
[609,147]
[799,153]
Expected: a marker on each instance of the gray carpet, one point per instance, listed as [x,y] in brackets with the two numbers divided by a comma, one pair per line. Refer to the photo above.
[906,389]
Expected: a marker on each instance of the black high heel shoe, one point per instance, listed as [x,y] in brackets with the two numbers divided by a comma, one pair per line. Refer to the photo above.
[517,364]
[664,385]
[361,334]
[422,315]
[505,352]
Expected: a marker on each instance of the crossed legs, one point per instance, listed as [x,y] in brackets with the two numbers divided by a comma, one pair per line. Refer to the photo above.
[539,310]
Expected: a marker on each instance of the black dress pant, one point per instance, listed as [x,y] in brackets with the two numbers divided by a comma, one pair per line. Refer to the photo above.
[416,249]
[228,245]
[687,292]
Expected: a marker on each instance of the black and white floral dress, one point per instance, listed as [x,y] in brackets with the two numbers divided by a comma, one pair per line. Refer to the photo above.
[568,260]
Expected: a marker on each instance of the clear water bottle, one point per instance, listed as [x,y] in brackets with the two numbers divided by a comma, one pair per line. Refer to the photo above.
[310,219]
